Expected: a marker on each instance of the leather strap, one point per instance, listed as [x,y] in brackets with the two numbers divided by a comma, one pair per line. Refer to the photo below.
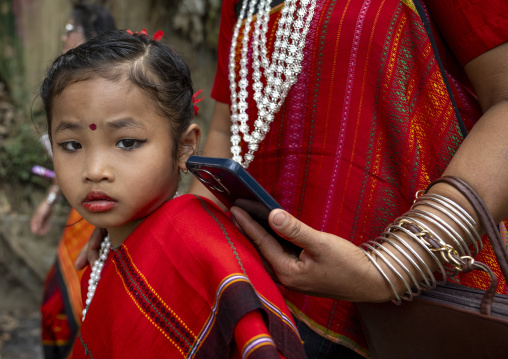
[491,229]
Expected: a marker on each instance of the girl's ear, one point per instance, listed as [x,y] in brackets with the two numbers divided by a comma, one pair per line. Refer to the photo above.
[189,143]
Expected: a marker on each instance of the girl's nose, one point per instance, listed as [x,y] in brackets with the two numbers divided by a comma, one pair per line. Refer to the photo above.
[98,168]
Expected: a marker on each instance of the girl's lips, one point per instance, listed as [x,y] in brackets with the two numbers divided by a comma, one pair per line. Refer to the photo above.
[98,202]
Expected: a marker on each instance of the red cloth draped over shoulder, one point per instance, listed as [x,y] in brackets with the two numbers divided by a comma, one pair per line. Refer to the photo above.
[186,283]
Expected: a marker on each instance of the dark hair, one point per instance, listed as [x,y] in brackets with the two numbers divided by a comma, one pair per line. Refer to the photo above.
[93,18]
[151,65]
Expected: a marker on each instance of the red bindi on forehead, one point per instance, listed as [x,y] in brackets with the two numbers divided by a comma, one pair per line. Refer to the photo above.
[93,126]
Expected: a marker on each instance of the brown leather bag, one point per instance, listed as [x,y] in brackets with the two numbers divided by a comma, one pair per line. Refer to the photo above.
[450,321]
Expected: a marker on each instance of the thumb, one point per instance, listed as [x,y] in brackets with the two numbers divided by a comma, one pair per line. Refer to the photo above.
[292,229]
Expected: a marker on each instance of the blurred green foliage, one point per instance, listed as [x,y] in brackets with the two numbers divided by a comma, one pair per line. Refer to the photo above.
[11,54]
[18,154]
[20,150]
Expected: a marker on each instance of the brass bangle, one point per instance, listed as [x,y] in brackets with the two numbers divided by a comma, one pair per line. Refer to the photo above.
[437,245]
[445,227]
[420,237]
[464,220]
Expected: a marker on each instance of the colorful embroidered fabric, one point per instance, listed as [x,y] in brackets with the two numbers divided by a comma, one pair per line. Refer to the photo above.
[368,123]
[62,305]
[186,283]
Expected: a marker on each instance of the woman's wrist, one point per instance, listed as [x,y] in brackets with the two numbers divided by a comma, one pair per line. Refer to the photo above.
[53,194]
[435,233]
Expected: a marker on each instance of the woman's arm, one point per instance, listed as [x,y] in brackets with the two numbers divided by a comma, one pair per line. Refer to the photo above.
[40,223]
[333,267]
[482,158]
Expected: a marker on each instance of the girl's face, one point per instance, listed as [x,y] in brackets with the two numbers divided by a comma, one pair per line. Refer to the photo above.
[113,153]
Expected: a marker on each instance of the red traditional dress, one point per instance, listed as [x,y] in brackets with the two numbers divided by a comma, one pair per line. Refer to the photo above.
[368,123]
[62,305]
[186,283]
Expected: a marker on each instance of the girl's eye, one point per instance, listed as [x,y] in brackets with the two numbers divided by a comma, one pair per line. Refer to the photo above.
[70,145]
[129,143]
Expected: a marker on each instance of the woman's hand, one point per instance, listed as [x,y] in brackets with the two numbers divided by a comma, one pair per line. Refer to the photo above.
[40,223]
[328,266]
[90,252]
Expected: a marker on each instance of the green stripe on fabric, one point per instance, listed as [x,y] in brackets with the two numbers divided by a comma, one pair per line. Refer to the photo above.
[88,352]
[373,130]
[314,99]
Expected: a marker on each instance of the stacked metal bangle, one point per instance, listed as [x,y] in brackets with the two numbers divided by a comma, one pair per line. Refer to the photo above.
[457,214]
[414,225]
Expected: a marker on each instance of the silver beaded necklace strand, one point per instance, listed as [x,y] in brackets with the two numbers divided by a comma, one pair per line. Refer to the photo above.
[280,74]
[96,273]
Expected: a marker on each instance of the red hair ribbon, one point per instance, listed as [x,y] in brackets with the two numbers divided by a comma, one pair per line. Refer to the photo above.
[195,101]
[156,37]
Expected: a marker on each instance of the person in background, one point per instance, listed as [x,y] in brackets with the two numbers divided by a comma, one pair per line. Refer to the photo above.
[87,21]
[175,278]
[342,110]
[62,306]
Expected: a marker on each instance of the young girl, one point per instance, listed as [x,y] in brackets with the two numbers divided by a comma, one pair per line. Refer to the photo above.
[175,277]
[61,304]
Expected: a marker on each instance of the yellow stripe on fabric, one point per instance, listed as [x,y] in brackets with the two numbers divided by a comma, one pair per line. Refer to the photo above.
[377,147]
[393,54]
[370,182]
[358,118]
[182,323]
[410,4]
[416,133]
[213,314]
[154,292]
[317,58]
[438,97]
[268,341]
[330,91]
[284,319]
[330,335]
[145,315]
[370,157]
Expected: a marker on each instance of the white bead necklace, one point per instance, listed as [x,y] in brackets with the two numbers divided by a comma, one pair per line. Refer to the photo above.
[281,73]
[96,272]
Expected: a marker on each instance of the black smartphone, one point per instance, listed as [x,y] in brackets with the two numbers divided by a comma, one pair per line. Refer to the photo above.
[234,186]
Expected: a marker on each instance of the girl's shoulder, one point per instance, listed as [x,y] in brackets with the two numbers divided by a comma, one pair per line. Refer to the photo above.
[194,206]
[188,216]
[195,235]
